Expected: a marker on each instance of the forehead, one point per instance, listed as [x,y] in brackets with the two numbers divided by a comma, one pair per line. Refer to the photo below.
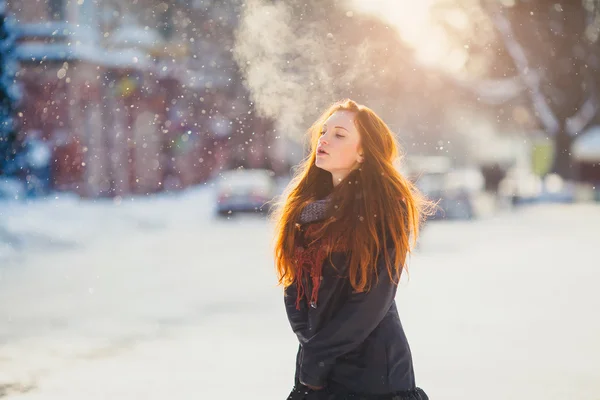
[342,118]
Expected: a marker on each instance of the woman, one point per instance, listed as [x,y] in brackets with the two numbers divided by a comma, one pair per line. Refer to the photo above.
[343,234]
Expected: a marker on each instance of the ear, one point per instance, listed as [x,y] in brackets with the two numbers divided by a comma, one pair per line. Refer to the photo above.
[360,157]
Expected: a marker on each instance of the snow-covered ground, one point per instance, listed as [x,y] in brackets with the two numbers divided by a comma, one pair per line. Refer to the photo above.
[154,298]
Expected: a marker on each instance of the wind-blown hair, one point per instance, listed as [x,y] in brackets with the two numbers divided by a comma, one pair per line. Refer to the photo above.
[372,210]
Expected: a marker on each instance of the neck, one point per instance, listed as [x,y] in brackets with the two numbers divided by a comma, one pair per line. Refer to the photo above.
[338,176]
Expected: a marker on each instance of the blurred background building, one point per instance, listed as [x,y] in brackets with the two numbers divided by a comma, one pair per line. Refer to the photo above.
[112,98]
[133,98]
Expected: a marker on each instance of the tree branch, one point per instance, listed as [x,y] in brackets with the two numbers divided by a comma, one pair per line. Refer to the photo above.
[530,77]
[492,91]
[581,120]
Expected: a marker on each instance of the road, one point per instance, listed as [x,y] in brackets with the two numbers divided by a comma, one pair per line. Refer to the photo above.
[157,299]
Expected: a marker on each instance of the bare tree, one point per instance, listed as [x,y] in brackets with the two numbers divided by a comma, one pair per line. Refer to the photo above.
[555,49]
[549,49]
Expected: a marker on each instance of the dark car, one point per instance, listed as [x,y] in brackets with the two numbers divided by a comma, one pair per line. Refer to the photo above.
[455,191]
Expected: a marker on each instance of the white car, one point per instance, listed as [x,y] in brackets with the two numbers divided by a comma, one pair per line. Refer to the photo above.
[245,190]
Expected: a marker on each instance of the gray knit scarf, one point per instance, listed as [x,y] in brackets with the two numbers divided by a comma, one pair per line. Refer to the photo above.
[314,211]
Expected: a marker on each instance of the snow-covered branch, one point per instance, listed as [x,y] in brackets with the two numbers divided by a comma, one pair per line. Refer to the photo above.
[492,91]
[573,125]
[578,122]
[527,74]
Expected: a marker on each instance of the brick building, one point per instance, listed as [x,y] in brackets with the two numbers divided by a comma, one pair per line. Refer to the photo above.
[134,98]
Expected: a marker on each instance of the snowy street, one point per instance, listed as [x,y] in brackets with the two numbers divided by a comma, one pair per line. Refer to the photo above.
[156,298]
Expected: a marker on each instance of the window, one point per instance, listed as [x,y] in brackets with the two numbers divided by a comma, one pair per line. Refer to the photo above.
[88,20]
[57,10]
[166,23]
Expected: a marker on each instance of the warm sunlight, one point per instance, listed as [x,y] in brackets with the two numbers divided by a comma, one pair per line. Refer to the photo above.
[187,211]
[413,20]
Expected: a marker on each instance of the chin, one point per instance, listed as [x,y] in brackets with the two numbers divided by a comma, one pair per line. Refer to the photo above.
[321,166]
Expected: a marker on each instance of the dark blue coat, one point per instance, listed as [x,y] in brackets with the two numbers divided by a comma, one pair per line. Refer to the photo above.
[352,341]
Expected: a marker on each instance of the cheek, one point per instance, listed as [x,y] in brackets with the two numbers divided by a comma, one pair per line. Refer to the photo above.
[348,154]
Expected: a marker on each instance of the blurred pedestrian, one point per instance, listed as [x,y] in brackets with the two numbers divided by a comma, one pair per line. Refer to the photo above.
[344,230]
[37,158]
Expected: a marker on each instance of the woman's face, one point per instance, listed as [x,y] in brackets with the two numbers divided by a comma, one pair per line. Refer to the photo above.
[339,150]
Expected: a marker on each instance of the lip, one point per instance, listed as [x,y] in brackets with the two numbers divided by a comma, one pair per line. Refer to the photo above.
[321,152]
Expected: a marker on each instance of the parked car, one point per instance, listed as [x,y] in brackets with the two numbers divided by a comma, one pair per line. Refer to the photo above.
[11,189]
[245,190]
[521,186]
[455,191]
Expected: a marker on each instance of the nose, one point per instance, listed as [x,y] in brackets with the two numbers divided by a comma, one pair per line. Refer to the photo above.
[323,140]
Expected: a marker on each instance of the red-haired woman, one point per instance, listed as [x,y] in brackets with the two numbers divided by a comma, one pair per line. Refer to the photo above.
[343,233]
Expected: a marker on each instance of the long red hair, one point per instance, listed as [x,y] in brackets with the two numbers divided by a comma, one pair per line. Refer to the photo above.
[366,215]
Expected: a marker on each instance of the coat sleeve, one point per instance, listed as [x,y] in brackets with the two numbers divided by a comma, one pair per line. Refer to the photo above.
[350,326]
[298,318]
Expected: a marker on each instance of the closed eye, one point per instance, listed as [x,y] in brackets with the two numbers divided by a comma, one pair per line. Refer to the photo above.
[337,135]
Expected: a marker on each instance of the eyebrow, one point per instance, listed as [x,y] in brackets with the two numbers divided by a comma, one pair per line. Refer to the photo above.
[341,127]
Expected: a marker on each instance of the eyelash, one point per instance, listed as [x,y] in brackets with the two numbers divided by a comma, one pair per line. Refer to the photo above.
[337,135]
